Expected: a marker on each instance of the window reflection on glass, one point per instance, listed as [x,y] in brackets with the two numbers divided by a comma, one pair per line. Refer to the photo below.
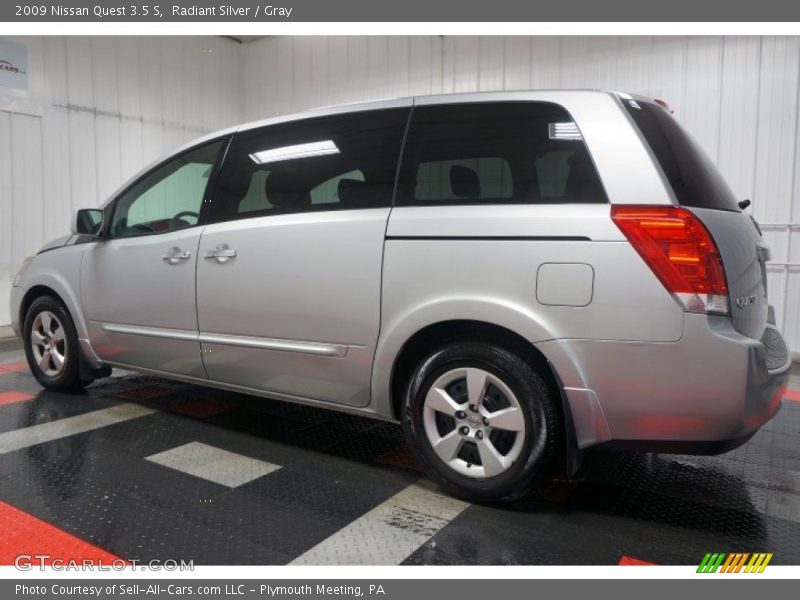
[294,152]
[496,152]
[168,197]
[337,162]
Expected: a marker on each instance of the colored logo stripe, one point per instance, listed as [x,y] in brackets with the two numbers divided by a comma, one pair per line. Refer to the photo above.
[711,562]
[758,563]
[734,562]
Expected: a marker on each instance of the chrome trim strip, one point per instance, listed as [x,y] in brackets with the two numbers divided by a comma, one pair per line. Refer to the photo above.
[316,348]
[159,332]
[489,238]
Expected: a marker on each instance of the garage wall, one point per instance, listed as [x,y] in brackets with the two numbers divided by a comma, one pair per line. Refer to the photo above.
[96,111]
[100,108]
[739,96]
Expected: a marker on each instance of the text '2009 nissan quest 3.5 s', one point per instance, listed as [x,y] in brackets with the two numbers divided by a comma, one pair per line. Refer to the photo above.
[514,276]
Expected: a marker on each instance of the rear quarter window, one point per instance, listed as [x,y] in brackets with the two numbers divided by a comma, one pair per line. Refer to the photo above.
[694,179]
[496,153]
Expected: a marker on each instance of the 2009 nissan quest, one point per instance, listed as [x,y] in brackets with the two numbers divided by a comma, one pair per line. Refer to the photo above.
[514,276]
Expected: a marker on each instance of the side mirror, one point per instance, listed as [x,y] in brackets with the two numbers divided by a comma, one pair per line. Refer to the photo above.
[87,221]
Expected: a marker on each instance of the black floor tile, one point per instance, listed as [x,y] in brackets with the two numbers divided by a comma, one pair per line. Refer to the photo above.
[99,486]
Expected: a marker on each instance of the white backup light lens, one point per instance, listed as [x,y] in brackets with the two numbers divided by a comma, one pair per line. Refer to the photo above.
[564,131]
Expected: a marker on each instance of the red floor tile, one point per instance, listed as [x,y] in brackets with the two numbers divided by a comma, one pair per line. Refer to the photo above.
[400,457]
[556,490]
[793,395]
[631,562]
[13,367]
[25,534]
[14,396]
[143,393]
[201,409]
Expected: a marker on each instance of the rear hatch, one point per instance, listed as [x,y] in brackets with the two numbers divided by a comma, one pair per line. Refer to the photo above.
[699,187]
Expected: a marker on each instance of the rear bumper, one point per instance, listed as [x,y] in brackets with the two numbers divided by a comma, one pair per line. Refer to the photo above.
[706,393]
[706,448]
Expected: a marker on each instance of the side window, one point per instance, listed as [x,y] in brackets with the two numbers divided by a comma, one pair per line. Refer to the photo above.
[476,178]
[496,153]
[327,192]
[168,197]
[328,163]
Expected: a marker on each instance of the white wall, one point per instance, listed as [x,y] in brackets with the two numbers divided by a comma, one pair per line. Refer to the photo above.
[101,107]
[97,110]
[738,95]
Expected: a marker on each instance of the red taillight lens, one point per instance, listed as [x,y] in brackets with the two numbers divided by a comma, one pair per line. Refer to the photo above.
[680,251]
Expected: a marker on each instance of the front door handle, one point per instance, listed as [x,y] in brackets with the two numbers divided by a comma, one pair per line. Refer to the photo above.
[222,254]
[175,255]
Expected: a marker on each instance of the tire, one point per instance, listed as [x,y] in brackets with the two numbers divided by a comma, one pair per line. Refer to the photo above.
[458,368]
[56,375]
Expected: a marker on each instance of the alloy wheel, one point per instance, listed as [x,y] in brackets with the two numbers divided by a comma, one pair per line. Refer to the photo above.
[48,343]
[474,422]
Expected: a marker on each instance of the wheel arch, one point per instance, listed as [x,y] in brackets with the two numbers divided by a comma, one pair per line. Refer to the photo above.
[51,286]
[425,339]
[89,365]
[35,292]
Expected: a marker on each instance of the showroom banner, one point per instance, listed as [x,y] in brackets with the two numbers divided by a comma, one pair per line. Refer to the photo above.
[406,11]
[13,65]
[393,589]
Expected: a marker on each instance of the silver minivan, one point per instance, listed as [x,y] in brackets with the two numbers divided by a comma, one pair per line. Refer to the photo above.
[514,276]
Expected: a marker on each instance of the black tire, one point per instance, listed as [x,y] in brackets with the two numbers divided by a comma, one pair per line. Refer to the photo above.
[68,379]
[542,414]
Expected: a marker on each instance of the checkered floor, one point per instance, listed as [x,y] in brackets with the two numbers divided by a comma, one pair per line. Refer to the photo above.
[142,468]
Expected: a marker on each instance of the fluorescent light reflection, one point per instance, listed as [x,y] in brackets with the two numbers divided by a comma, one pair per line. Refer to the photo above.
[294,152]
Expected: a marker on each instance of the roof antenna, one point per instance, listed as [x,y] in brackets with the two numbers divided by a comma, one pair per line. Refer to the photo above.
[744,203]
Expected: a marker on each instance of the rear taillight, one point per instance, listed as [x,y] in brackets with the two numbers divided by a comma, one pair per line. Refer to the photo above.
[680,251]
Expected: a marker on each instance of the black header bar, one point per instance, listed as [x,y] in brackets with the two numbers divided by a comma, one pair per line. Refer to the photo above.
[445,11]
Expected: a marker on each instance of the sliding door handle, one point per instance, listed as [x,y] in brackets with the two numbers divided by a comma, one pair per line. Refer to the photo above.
[222,254]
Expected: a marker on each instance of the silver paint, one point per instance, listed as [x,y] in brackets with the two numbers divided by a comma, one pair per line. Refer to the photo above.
[314,308]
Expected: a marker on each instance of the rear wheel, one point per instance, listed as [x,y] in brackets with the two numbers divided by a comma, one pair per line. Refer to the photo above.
[51,345]
[482,421]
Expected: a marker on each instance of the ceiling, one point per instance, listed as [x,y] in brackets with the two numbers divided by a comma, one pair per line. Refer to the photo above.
[244,39]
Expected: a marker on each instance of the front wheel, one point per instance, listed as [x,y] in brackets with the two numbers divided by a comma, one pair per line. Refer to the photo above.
[481,421]
[51,345]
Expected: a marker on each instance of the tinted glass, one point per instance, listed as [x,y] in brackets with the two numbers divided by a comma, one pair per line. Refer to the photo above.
[89,221]
[693,177]
[498,152]
[328,163]
[167,198]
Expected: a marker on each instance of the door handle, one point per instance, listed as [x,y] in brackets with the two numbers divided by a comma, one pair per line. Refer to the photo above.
[222,254]
[175,255]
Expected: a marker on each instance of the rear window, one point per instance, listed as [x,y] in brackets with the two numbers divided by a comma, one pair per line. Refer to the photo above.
[496,153]
[695,180]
